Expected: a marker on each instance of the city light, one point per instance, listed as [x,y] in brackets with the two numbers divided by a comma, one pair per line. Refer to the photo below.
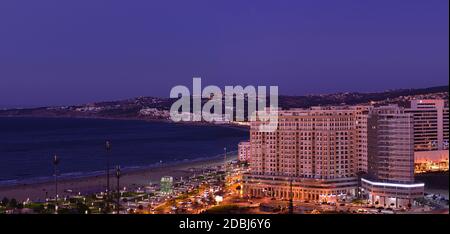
[393,184]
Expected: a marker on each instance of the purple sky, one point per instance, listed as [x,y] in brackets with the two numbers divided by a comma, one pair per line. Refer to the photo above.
[67,52]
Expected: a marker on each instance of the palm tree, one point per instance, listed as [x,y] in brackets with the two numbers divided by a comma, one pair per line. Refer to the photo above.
[5,201]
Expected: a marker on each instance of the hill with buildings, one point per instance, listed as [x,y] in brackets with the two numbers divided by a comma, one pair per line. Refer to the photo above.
[158,108]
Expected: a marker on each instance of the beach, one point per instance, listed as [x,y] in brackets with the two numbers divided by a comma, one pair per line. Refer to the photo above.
[87,185]
[146,151]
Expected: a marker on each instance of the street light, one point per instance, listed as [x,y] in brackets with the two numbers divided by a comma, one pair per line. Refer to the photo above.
[55,169]
[118,187]
[108,149]
[291,198]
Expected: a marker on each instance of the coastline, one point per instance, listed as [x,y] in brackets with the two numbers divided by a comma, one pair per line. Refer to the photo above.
[193,123]
[89,182]
[130,179]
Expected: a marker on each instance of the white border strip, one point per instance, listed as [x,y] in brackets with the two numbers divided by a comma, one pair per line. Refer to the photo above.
[393,185]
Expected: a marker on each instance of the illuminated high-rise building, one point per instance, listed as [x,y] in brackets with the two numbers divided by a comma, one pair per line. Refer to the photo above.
[317,149]
[390,178]
[431,124]
[361,136]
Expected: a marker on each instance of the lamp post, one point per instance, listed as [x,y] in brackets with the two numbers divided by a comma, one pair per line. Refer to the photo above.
[55,170]
[118,188]
[108,149]
[291,198]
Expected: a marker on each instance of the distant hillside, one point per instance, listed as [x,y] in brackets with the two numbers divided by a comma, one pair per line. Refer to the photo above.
[354,97]
[157,108]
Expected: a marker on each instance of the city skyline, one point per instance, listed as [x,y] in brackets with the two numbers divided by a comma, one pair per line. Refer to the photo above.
[255,107]
[53,51]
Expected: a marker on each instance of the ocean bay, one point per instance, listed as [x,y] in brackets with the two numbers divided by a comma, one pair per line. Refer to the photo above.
[27,145]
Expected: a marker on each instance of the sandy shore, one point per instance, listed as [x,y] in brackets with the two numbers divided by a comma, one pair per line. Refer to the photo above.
[87,185]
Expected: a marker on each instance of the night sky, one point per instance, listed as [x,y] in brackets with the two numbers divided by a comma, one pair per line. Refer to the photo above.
[68,52]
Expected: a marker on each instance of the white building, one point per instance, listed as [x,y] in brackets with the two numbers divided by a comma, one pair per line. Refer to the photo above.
[154,112]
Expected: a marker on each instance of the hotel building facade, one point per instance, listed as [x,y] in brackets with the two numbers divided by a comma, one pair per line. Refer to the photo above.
[362,113]
[431,124]
[244,151]
[431,130]
[318,151]
[390,178]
